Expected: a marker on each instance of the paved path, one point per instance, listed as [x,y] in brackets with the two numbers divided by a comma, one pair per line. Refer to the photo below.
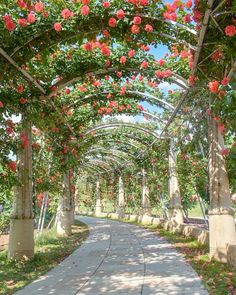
[119,258]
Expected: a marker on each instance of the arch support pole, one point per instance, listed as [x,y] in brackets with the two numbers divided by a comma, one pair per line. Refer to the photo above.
[175,208]
[222,229]
[21,240]
[98,206]
[121,198]
[65,211]
[145,194]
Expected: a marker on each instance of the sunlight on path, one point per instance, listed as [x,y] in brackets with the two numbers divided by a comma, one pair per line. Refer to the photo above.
[119,258]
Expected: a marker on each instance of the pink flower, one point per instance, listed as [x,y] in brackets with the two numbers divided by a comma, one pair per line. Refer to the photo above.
[106,4]
[31,18]
[225,81]
[131,53]
[120,14]
[57,27]
[107,63]
[213,86]
[39,7]
[1,105]
[230,30]
[135,29]
[112,22]
[123,59]
[66,13]
[137,20]
[85,10]
[10,26]
[22,22]
[148,28]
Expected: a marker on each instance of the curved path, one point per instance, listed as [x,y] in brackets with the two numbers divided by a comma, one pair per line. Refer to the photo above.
[119,258]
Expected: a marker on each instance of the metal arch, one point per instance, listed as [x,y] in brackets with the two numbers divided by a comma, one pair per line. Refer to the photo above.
[121,133]
[119,124]
[138,93]
[91,160]
[104,150]
[93,168]
[174,23]
[120,141]
[64,82]
[153,116]
[105,157]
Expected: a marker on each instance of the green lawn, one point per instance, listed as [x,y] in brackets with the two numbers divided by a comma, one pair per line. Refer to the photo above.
[49,251]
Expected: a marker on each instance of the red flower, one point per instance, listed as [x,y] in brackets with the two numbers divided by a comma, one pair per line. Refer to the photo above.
[66,13]
[221,128]
[131,53]
[57,27]
[20,89]
[12,166]
[225,81]
[135,29]
[105,51]
[88,46]
[213,86]
[22,4]
[39,7]
[188,4]
[1,105]
[67,91]
[137,20]
[85,2]
[144,65]
[85,10]
[112,22]
[230,30]
[120,14]
[106,33]
[123,59]
[161,62]
[106,4]
[171,16]
[217,55]
[24,140]
[143,2]
[224,151]
[148,28]
[22,22]
[119,74]
[31,18]
[10,26]
[187,18]
[23,100]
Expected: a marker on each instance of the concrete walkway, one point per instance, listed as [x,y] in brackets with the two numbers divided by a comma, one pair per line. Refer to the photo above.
[119,258]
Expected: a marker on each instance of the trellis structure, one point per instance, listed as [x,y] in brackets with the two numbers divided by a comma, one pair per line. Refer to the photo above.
[54,51]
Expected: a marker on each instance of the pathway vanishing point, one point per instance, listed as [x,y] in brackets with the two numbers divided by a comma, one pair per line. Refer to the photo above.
[119,258]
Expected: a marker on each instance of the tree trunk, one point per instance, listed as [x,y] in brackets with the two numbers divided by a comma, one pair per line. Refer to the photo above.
[98,207]
[65,208]
[145,194]
[175,209]
[221,214]
[121,198]
[21,240]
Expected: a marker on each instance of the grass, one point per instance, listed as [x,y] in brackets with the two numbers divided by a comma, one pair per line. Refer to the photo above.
[49,251]
[218,278]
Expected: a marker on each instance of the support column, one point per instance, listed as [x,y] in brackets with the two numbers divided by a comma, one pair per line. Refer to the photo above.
[175,208]
[65,210]
[145,194]
[121,198]
[222,229]
[21,239]
[98,207]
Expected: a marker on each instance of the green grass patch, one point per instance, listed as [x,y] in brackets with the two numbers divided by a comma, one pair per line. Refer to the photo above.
[218,278]
[49,251]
